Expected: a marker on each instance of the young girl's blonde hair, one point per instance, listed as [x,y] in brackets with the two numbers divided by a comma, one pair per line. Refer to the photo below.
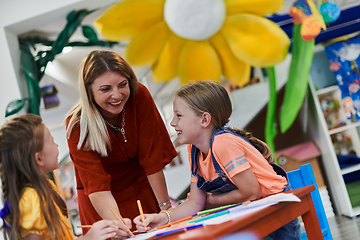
[93,131]
[20,138]
[211,97]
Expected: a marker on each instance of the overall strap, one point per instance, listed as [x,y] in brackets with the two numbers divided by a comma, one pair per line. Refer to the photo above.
[195,152]
[218,132]
[194,160]
[217,167]
[195,156]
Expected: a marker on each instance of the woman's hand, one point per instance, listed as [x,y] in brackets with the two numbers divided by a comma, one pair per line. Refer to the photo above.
[105,229]
[151,221]
[123,231]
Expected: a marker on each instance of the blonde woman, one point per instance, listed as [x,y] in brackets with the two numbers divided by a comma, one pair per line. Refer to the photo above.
[117,142]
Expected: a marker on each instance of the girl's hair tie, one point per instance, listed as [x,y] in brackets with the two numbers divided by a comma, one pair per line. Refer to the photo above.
[5,211]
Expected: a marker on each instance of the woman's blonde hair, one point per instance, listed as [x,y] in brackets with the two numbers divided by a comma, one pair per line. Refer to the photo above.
[93,132]
[211,97]
[20,138]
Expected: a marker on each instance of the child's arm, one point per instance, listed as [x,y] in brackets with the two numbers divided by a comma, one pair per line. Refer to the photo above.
[195,203]
[248,189]
[100,230]
[158,184]
[105,229]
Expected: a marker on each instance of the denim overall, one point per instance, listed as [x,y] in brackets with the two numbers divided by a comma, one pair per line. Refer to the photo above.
[222,184]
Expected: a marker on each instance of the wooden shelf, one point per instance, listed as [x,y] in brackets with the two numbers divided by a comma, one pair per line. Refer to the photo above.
[327,90]
[356,210]
[317,128]
[350,169]
[344,128]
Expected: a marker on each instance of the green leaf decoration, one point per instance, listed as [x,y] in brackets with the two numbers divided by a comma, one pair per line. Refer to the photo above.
[270,127]
[34,67]
[296,86]
[89,33]
[71,16]
[15,106]
[63,38]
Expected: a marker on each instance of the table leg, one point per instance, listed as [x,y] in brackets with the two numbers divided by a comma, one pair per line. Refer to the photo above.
[311,222]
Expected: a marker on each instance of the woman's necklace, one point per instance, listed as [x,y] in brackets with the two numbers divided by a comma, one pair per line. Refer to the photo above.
[122,129]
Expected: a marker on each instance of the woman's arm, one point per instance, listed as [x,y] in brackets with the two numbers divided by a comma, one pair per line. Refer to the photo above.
[248,189]
[158,184]
[103,202]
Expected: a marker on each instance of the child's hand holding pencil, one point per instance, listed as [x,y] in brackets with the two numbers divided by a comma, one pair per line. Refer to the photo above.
[150,222]
[122,222]
[146,222]
[105,229]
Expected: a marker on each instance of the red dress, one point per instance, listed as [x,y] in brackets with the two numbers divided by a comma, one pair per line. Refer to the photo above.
[123,172]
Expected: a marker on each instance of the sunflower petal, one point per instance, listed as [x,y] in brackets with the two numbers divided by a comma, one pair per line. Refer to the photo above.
[166,68]
[128,18]
[259,7]
[199,61]
[255,40]
[234,70]
[145,48]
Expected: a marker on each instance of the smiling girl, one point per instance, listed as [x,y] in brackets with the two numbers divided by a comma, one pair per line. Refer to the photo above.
[228,165]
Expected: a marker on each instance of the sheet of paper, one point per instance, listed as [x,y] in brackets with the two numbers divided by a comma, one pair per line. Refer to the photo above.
[144,236]
[270,200]
[238,211]
[243,210]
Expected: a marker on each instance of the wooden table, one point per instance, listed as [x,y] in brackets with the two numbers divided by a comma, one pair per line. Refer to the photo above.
[264,221]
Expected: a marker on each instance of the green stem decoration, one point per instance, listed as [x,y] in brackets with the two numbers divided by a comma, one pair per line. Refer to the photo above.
[295,89]
[32,76]
[296,86]
[270,128]
[34,67]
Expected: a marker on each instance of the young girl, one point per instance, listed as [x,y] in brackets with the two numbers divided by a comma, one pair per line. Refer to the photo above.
[33,208]
[227,165]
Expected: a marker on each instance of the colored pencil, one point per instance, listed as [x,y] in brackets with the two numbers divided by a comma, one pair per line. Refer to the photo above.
[175,230]
[216,209]
[141,212]
[175,222]
[210,216]
[120,219]
[84,226]
[222,207]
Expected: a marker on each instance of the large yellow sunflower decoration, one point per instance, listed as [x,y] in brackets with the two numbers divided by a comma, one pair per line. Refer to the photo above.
[197,39]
